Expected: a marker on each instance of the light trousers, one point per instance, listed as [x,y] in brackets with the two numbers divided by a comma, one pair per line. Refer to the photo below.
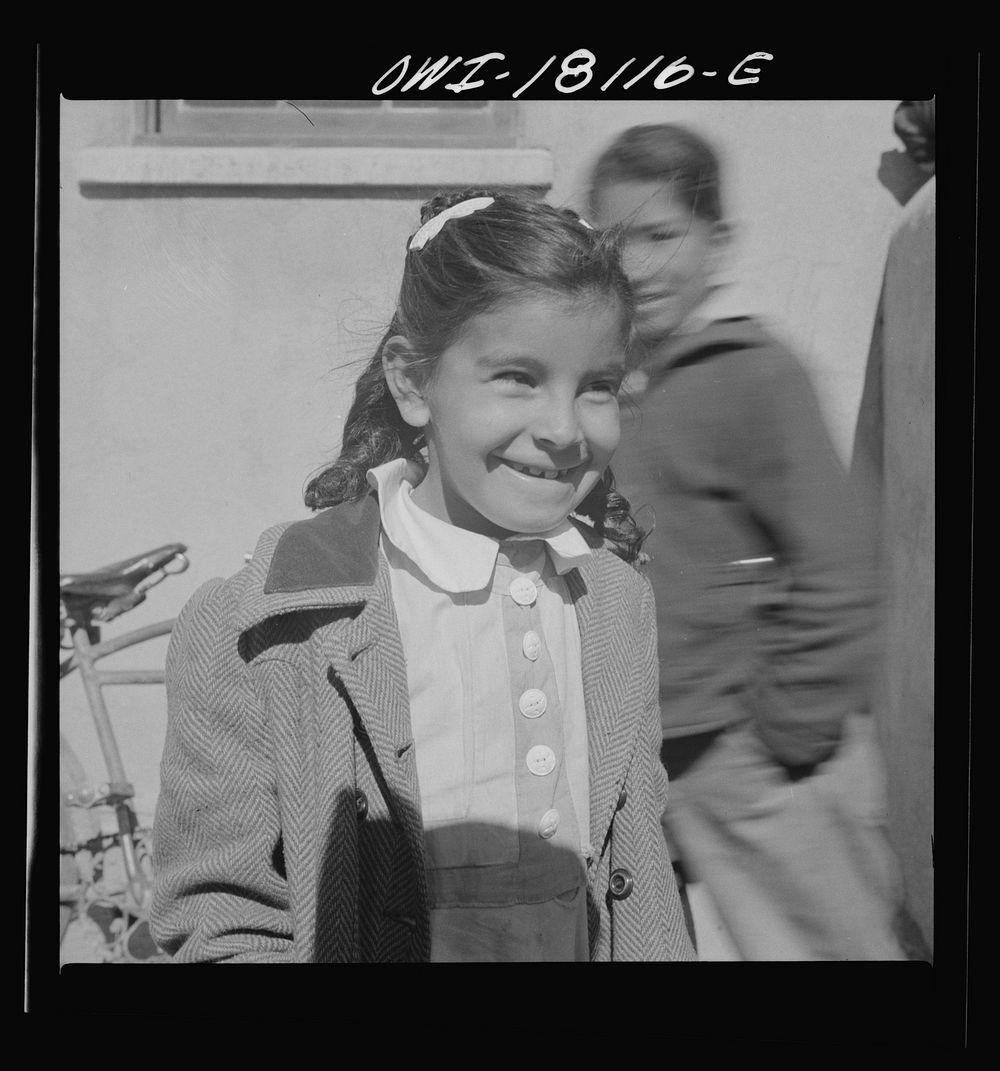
[798,869]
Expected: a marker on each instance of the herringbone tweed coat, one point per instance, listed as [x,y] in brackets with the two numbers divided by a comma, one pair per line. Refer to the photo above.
[288,822]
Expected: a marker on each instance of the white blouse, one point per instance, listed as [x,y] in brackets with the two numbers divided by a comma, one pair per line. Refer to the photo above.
[500,737]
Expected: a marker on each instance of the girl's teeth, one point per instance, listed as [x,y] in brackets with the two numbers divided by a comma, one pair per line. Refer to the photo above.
[542,473]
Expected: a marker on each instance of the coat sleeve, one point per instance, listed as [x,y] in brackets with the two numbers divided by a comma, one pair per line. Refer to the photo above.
[818,633]
[219,891]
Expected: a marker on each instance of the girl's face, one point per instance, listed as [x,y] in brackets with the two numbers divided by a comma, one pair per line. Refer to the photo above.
[670,256]
[520,414]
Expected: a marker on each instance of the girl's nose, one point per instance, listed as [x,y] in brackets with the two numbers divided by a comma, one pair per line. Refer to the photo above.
[558,427]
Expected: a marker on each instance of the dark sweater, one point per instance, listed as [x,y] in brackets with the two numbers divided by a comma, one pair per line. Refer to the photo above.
[728,452]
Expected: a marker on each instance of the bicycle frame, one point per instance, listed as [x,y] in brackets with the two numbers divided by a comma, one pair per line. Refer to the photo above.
[87,601]
[117,791]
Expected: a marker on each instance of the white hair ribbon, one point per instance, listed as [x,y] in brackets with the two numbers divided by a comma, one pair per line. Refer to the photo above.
[435,223]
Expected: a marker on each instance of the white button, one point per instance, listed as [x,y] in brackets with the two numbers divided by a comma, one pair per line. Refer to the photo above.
[523,591]
[541,760]
[548,824]
[532,703]
[531,645]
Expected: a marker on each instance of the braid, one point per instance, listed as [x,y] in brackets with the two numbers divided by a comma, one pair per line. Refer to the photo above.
[374,433]
[610,513]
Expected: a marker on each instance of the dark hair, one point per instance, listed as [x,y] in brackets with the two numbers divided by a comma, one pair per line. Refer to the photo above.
[663,152]
[515,247]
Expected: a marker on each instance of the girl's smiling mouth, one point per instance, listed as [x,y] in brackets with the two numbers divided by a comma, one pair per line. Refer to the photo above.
[536,472]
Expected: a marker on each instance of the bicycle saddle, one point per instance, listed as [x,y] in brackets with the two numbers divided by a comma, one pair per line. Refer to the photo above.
[119,578]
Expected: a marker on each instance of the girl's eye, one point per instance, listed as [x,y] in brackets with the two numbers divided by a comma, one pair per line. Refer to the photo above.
[605,386]
[512,376]
[662,236]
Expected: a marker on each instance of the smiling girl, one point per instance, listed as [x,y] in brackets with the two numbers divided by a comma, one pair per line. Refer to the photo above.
[423,724]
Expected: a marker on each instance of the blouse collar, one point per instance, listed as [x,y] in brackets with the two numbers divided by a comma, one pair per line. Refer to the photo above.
[452,558]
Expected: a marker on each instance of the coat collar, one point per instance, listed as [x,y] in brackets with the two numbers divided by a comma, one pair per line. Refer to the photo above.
[336,548]
[327,561]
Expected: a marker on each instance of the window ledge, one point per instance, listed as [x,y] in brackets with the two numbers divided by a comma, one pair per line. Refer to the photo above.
[334,167]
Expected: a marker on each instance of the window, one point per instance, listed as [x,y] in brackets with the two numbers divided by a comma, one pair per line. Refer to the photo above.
[385,147]
[401,123]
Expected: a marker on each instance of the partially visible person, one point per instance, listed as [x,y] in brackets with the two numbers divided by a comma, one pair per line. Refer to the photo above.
[765,594]
[893,462]
[913,124]
[903,173]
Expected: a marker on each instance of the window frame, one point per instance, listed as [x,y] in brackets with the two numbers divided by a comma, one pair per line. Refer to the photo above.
[403,124]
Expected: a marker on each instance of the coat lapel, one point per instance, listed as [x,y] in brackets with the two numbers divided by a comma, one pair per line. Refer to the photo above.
[330,561]
[611,721]
[367,655]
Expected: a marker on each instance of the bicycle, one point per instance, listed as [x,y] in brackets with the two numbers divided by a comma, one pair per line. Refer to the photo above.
[107,878]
